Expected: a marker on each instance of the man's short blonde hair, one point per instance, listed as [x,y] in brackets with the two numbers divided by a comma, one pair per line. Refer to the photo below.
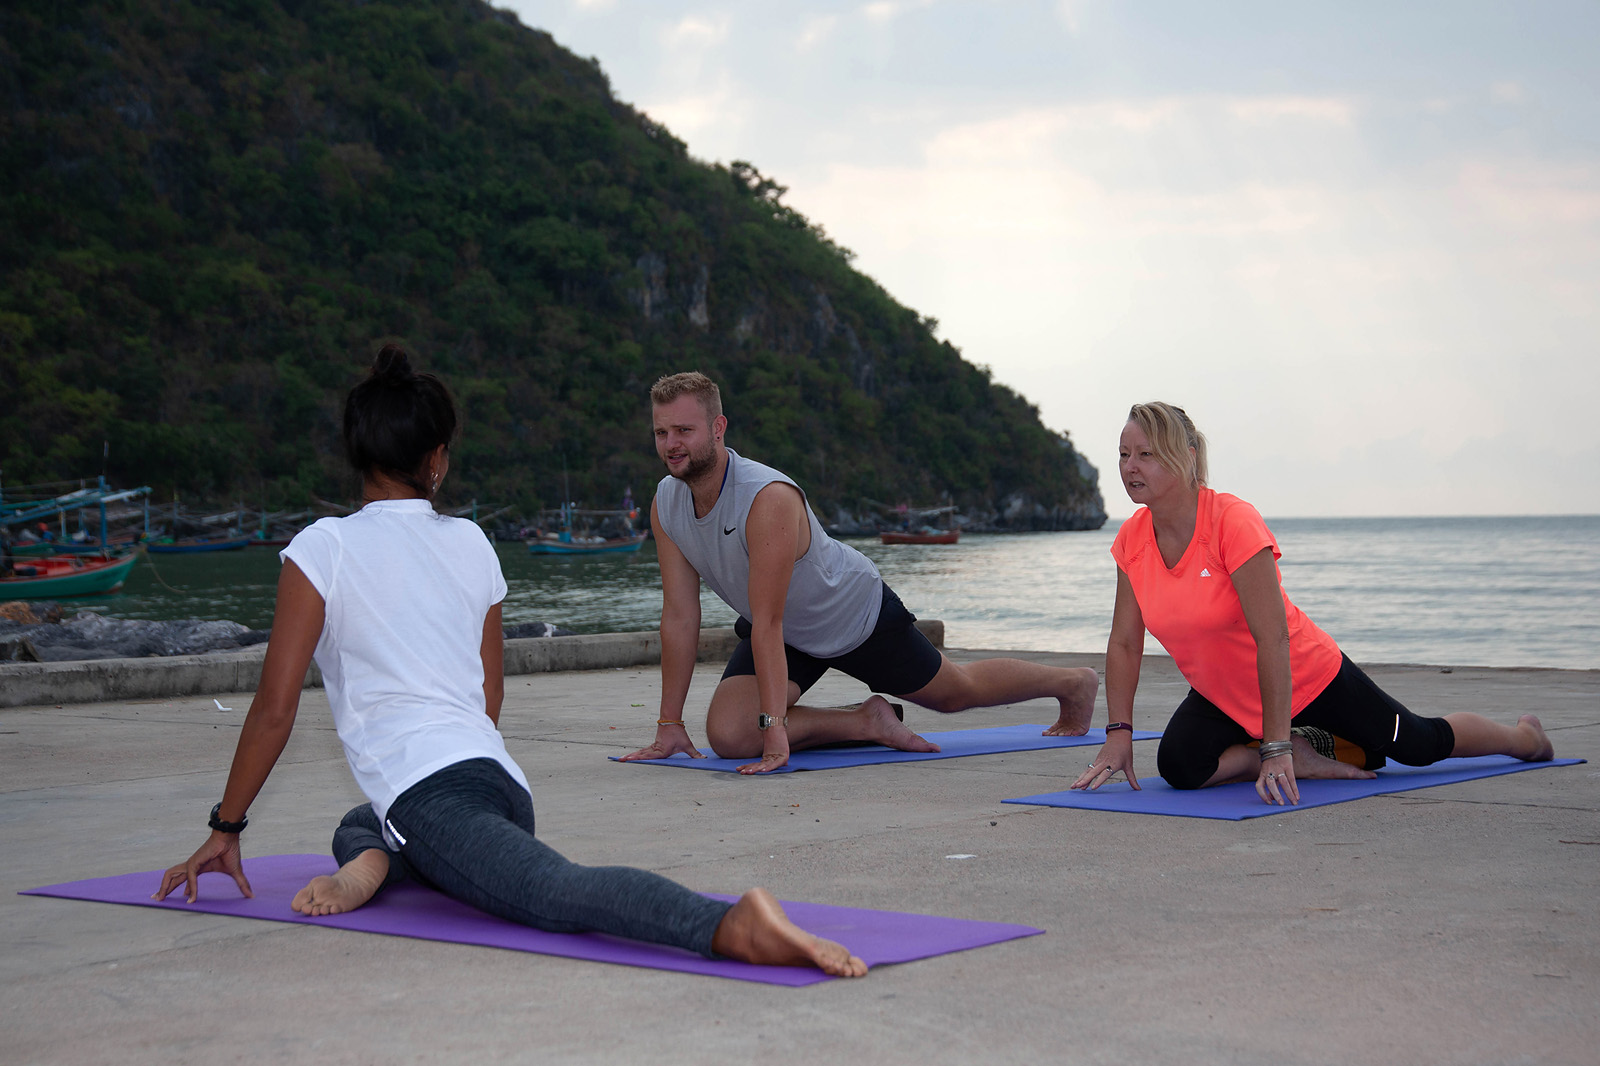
[1172,434]
[690,383]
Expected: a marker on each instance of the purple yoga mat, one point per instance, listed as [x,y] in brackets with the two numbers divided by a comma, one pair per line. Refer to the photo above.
[1239,801]
[953,744]
[878,937]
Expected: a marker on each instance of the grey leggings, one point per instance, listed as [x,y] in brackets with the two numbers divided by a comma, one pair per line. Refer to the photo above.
[467,831]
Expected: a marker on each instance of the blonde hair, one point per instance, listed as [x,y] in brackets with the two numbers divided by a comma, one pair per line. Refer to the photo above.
[690,383]
[1172,435]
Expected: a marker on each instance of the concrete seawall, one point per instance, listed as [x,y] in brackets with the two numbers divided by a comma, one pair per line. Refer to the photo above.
[99,680]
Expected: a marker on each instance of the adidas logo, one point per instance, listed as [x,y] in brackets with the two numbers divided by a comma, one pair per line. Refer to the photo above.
[1204,572]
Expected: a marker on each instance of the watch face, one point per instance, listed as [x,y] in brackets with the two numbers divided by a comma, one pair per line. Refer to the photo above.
[763,720]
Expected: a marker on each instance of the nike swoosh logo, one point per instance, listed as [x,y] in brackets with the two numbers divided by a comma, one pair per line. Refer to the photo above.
[725,532]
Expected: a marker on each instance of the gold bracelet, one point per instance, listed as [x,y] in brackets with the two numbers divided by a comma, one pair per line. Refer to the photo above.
[672,721]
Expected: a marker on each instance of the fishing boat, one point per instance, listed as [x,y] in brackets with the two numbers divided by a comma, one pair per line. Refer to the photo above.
[277,528]
[23,505]
[62,576]
[925,536]
[187,545]
[40,548]
[552,544]
[588,531]
[915,525]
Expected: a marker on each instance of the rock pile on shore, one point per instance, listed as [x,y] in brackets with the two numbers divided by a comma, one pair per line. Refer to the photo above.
[38,632]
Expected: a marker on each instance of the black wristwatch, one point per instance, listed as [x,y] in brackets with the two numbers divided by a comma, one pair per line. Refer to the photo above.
[226,827]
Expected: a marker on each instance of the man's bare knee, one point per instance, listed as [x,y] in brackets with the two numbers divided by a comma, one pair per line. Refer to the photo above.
[731,719]
[730,735]
[733,743]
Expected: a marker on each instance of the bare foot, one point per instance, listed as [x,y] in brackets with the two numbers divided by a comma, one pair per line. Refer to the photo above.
[756,930]
[352,885]
[1308,765]
[1543,750]
[882,727]
[1077,706]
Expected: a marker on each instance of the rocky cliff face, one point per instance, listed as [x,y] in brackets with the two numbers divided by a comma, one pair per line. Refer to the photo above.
[806,328]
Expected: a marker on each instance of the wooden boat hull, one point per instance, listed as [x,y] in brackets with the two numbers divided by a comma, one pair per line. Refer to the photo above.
[556,547]
[199,544]
[945,537]
[65,576]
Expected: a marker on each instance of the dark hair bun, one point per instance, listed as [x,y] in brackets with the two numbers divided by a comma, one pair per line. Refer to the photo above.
[391,365]
[395,418]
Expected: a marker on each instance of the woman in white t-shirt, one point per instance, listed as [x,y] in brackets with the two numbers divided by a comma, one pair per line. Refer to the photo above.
[400,607]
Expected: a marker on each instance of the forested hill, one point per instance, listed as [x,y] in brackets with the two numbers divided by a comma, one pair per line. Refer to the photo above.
[213,213]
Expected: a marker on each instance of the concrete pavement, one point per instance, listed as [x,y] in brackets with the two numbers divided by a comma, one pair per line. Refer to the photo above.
[1449,925]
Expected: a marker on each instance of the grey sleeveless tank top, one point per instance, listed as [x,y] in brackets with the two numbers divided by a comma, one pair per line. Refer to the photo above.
[835,593]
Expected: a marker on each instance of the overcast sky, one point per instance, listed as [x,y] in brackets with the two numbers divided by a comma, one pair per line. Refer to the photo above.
[1359,242]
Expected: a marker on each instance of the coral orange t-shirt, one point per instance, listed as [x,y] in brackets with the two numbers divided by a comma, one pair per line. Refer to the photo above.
[1193,608]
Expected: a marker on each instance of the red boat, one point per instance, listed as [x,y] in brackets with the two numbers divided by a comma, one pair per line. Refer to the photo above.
[931,536]
[66,575]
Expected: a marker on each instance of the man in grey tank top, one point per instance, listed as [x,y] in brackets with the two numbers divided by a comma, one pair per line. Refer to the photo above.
[806,604]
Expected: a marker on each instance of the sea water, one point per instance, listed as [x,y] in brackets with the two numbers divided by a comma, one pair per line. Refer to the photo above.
[1521,591]
[1457,591]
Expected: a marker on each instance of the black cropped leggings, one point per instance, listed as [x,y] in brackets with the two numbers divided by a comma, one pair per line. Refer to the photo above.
[467,830]
[1351,707]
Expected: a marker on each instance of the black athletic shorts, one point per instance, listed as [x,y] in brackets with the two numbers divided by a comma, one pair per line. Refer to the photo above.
[1352,707]
[895,658]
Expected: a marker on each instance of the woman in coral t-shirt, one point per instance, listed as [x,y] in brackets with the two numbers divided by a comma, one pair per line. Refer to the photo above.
[1199,569]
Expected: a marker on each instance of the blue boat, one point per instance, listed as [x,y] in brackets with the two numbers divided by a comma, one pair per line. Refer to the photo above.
[187,545]
[41,548]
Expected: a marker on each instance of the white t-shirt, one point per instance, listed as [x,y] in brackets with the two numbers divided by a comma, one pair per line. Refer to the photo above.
[406,591]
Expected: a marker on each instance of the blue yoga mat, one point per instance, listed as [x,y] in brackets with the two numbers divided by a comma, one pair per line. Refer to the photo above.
[1239,801]
[953,745]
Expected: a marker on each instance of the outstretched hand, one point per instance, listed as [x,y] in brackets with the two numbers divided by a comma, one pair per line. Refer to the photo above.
[1115,756]
[771,761]
[219,854]
[670,739]
[1276,784]
[775,750]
